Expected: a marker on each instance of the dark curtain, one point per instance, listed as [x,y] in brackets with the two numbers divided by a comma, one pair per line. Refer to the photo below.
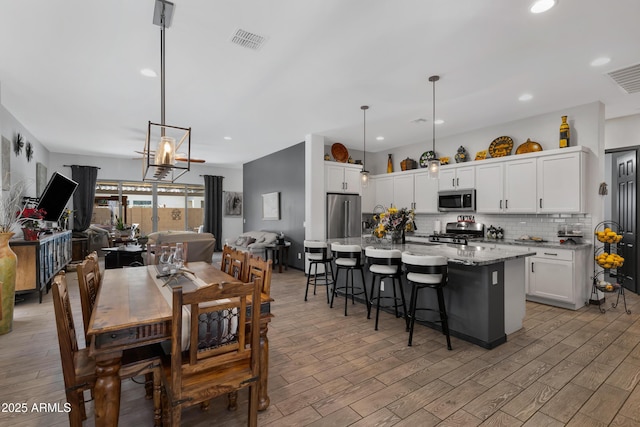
[213,207]
[86,177]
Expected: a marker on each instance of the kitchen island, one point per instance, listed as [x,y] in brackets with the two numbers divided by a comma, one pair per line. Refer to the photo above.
[485,295]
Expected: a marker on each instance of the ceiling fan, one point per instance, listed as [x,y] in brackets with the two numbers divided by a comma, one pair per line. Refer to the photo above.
[180,157]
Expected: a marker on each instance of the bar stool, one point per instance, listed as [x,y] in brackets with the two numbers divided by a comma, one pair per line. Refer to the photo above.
[348,258]
[318,253]
[385,263]
[426,271]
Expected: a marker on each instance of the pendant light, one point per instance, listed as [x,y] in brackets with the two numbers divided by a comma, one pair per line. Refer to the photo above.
[364,173]
[163,159]
[434,164]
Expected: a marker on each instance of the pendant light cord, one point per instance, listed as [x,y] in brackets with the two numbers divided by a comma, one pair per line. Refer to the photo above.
[162,47]
[434,79]
[364,109]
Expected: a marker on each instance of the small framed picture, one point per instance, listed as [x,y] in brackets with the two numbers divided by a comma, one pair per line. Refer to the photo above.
[271,206]
[232,203]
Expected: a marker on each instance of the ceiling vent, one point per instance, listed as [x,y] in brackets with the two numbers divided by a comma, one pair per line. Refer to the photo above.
[627,78]
[246,39]
[419,120]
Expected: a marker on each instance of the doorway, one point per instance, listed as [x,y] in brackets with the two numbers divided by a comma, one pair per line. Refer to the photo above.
[624,211]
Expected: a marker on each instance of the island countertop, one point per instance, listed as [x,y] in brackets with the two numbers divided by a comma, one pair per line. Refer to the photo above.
[461,254]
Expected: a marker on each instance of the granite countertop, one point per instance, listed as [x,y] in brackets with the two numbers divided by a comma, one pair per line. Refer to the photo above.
[516,243]
[460,254]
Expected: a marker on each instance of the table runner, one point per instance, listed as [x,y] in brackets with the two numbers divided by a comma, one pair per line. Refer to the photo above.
[165,286]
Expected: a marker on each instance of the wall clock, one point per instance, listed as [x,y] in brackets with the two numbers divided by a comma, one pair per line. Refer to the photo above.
[28,150]
[18,143]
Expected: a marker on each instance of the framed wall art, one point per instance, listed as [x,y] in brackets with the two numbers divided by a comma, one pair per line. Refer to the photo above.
[6,164]
[271,206]
[41,178]
[232,203]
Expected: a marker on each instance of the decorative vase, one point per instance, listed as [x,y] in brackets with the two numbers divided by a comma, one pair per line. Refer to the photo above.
[565,133]
[8,262]
[30,234]
[389,164]
[397,237]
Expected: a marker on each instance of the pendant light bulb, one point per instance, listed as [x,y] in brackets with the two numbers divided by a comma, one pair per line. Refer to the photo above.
[434,164]
[364,173]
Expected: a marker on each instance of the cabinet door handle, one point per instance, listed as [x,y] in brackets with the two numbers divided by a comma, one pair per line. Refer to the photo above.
[458,182]
[346,185]
[453,182]
[506,204]
[500,203]
[532,266]
[540,203]
[550,253]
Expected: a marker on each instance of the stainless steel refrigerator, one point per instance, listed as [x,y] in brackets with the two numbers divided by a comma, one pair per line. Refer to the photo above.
[343,216]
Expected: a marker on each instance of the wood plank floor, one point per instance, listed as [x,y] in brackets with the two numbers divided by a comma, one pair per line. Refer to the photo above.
[563,368]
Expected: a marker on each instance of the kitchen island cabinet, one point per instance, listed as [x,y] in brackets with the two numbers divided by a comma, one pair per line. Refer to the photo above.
[485,295]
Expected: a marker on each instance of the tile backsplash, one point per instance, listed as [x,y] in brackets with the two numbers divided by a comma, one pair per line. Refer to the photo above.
[515,226]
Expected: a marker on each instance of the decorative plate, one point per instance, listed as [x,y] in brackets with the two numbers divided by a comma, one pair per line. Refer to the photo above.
[426,156]
[501,146]
[339,152]
[528,147]
[481,155]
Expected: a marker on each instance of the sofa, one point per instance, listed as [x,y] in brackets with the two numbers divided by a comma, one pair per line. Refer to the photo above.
[200,246]
[253,242]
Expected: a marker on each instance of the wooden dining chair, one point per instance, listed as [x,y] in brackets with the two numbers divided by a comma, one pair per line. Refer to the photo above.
[96,270]
[79,368]
[89,284]
[220,358]
[225,261]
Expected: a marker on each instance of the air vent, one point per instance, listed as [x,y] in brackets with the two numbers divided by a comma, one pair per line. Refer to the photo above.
[418,121]
[627,78]
[246,39]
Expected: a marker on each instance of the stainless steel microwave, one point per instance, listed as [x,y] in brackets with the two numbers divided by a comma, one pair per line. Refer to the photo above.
[457,201]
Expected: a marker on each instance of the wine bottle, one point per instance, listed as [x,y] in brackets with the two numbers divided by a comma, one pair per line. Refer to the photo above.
[389,165]
[565,133]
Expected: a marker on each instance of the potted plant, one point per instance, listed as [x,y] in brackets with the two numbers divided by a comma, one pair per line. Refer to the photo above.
[29,219]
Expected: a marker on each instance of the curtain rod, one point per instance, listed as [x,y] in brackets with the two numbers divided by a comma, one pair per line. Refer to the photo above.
[68,166]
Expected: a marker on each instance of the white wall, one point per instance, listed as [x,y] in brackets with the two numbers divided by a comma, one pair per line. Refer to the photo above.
[622,132]
[131,170]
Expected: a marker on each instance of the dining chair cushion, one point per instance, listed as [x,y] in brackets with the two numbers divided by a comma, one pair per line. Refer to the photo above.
[346,262]
[427,279]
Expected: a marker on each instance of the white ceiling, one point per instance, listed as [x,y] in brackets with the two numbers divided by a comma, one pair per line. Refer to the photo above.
[69,69]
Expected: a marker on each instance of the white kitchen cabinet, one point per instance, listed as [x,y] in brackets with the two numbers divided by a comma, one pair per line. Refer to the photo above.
[425,189]
[343,178]
[384,191]
[457,178]
[561,181]
[557,277]
[508,187]
[403,191]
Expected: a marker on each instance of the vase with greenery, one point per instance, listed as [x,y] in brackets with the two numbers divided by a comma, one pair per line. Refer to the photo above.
[10,207]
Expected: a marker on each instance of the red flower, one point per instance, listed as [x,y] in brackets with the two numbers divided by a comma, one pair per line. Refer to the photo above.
[32,213]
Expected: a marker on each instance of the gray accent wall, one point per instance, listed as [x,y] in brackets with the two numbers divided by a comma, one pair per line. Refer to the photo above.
[283,172]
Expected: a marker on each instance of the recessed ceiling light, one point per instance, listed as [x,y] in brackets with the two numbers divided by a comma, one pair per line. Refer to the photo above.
[380,138]
[525,97]
[227,138]
[148,72]
[438,121]
[540,6]
[600,61]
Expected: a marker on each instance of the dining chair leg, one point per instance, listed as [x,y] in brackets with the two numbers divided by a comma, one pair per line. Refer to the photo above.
[404,301]
[395,296]
[346,291]
[377,303]
[308,281]
[326,280]
[370,301]
[232,404]
[353,295]
[335,288]
[148,385]
[157,398]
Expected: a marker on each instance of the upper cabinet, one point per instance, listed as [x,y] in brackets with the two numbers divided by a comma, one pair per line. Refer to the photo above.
[369,196]
[507,187]
[457,178]
[384,191]
[425,193]
[342,178]
[561,181]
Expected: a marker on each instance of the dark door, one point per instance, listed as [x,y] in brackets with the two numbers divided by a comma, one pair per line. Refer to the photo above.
[625,210]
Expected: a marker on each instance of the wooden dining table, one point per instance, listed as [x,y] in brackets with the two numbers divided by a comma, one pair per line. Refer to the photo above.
[130,311]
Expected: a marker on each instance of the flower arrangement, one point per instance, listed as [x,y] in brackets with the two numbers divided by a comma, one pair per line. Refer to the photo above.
[10,203]
[29,217]
[393,221]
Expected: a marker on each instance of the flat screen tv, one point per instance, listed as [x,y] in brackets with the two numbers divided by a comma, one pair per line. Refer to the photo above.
[56,195]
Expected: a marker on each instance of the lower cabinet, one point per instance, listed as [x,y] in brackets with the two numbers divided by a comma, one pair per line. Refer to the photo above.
[40,260]
[557,277]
